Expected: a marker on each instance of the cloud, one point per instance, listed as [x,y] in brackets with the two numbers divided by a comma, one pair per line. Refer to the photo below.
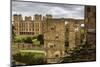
[57,10]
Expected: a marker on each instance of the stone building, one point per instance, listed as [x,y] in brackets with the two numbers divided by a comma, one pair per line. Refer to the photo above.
[54,39]
[73,34]
[37,25]
[60,36]
[90,25]
[27,27]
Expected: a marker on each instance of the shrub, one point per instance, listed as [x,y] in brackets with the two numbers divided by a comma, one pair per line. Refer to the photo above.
[36,42]
[29,58]
[40,38]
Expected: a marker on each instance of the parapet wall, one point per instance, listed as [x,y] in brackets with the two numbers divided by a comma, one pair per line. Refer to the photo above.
[36,17]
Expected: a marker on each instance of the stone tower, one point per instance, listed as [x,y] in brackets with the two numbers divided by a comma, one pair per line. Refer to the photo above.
[78,34]
[37,24]
[27,26]
[16,22]
[73,35]
[90,25]
[54,40]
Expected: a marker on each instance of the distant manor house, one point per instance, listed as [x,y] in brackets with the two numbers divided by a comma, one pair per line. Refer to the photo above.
[28,26]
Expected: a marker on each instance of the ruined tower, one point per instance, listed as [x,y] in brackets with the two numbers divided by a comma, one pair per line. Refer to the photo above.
[54,40]
[90,25]
[73,35]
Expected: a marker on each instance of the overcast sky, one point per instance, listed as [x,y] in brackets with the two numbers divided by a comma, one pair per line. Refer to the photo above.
[57,10]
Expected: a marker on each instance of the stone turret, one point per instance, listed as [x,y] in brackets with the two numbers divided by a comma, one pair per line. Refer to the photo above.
[48,16]
[90,25]
[28,18]
[17,18]
[54,40]
[37,17]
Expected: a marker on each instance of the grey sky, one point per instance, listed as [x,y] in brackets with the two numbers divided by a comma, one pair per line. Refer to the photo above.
[57,10]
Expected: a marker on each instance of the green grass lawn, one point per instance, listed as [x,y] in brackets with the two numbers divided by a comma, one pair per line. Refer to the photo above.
[33,51]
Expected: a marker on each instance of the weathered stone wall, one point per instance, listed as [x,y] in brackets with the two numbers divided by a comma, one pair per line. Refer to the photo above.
[73,34]
[78,34]
[54,40]
[90,25]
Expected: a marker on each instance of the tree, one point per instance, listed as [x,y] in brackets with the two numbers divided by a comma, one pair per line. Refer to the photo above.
[28,40]
[13,34]
[40,38]
[36,42]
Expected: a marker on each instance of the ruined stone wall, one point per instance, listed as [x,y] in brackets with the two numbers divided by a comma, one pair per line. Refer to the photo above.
[78,34]
[54,40]
[73,34]
[90,25]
